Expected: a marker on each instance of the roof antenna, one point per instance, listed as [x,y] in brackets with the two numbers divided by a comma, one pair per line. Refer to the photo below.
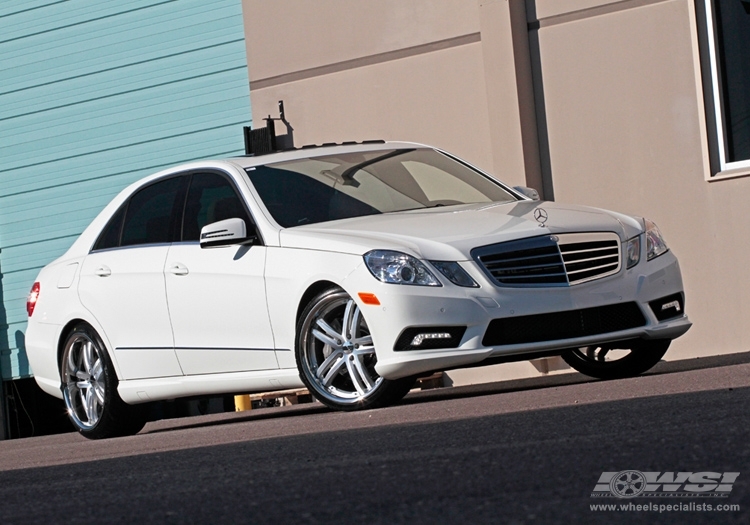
[261,141]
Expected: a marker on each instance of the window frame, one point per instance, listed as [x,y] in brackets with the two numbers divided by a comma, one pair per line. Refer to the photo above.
[718,97]
[179,212]
[179,205]
[250,228]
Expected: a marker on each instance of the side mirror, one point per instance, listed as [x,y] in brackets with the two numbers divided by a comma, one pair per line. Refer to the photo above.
[224,233]
[531,193]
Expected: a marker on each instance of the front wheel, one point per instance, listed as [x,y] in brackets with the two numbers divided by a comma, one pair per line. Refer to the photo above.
[614,362]
[336,356]
[89,387]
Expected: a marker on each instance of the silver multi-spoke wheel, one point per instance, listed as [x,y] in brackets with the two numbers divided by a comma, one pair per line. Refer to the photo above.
[84,387]
[337,357]
[89,387]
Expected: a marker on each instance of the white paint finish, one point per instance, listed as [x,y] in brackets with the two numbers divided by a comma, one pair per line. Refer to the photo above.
[172,387]
[41,342]
[451,233]
[286,358]
[289,273]
[147,363]
[211,360]
[129,301]
[67,275]
[450,305]
[218,308]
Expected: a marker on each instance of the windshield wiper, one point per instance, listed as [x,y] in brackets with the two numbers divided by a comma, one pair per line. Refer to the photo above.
[348,175]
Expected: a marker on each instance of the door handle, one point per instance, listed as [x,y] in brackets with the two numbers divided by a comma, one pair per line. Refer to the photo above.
[178,269]
[103,271]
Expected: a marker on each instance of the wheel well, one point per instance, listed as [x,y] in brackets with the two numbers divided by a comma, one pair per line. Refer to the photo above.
[311,292]
[63,336]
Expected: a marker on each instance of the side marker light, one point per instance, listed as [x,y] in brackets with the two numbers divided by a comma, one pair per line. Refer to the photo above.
[369,298]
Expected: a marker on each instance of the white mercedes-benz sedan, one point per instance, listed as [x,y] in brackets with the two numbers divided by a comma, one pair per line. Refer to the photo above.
[348,269]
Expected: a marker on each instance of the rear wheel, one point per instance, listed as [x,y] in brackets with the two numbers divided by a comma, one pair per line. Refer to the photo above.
[615,362]
[336,356]
[89,387]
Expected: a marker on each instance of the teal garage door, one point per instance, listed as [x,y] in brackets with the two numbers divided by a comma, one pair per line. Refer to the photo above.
[94,95]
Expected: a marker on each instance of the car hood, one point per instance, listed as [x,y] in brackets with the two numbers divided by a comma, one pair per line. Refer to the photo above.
[450,233]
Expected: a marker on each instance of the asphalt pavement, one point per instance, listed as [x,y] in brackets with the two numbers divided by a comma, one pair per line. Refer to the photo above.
[510,452]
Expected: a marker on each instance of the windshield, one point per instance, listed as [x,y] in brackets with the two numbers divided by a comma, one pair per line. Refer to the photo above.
[321,189]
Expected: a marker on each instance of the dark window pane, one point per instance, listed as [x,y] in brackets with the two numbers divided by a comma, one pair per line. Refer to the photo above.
[151,213]
[110,236]
[733,48]
[211,198]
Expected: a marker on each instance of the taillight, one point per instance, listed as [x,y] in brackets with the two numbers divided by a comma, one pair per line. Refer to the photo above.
[32,299]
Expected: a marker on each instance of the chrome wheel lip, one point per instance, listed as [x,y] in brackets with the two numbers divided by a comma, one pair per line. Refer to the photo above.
[83,382]
[347,351]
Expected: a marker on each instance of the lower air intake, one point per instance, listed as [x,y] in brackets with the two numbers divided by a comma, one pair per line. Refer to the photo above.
[563,325]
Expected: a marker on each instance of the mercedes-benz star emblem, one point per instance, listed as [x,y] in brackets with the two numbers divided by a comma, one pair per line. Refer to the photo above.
[540,214]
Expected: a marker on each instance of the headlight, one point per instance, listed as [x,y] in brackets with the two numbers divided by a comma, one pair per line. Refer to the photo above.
[455,274]
[398,268]
[655,245]
[633,251]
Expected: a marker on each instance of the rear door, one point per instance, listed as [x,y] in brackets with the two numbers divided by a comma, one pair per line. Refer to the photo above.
[122,280]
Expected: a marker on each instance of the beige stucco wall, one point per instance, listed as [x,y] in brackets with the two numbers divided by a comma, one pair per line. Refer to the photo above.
[296,35]
[618,101]
[386,101]
[394,70]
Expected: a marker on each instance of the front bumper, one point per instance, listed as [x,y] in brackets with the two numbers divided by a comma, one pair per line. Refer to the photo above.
[402,307]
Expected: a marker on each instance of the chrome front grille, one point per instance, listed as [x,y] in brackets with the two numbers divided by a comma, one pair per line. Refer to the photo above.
[551,260]
[590,256]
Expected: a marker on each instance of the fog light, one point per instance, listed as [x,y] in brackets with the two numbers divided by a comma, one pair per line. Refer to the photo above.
[668,307]
[429,338]
[419,338]
[673,304]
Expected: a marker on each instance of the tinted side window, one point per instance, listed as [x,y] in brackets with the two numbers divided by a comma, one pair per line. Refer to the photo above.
[152,213]
[211,198]
[110,236]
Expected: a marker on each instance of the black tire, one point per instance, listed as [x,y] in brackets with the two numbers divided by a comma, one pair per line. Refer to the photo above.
[89,386]
[592,361]
[336,358]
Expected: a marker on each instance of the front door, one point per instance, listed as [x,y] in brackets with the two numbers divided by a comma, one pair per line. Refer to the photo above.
[216,296]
